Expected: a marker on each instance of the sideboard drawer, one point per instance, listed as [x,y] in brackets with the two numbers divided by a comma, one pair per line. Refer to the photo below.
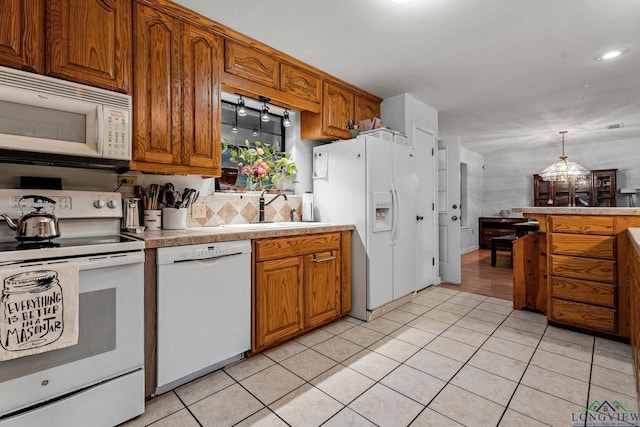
[584,315]
[584,291]
[584,245]
[578,224]
[600,270]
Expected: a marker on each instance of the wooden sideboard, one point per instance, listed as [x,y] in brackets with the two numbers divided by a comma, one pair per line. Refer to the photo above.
[495,226]
[578,268]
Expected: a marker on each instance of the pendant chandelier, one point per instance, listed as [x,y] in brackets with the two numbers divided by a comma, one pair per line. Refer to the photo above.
[565,170]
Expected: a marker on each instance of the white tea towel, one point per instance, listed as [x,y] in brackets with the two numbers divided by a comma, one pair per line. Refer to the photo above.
[38,309]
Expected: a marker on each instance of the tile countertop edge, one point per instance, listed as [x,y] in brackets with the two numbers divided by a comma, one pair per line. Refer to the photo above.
[634,233]
[197,235]
[577,210]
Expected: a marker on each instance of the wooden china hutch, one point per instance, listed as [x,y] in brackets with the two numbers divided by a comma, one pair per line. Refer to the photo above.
[597,191]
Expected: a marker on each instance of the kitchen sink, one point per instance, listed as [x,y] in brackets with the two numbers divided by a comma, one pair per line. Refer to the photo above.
[275,225]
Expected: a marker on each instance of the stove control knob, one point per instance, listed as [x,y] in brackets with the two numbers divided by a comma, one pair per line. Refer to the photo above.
[112,204]
[99,203]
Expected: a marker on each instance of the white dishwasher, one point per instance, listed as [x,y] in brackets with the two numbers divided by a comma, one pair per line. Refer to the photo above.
[204,309]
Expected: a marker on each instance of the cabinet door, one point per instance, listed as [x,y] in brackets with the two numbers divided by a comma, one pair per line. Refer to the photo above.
[22,34]
[157,94]
[278,301]
[89,41]
[604,188]
[251,64]
[337,110]
[366,108]
[300,83]
[202,60]
[321,288]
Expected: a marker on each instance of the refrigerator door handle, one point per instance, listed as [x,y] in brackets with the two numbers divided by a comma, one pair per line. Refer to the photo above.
[395,209]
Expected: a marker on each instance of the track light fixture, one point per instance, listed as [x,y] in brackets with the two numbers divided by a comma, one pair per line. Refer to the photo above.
[264,116]
[286,122]
[234,128]
[241,110]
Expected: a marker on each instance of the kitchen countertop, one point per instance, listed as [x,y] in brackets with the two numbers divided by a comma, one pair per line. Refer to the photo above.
[197,235]
[576,210]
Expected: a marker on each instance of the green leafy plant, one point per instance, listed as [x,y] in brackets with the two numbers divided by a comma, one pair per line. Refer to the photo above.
[260,164]
[283,167]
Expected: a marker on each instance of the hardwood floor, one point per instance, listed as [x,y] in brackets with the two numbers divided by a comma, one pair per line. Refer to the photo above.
[479,277]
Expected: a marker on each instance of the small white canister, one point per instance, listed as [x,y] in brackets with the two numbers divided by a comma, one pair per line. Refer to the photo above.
[174,219]
[307,206]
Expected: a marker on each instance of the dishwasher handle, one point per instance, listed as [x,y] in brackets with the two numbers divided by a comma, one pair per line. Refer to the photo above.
[209,258]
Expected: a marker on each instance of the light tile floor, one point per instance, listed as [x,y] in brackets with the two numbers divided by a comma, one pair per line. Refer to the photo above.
[448,358]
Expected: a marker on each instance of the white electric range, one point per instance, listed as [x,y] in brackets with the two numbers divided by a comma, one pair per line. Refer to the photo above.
[100,380]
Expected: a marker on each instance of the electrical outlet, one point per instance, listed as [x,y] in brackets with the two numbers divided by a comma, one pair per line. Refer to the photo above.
[127,180]
[198,210]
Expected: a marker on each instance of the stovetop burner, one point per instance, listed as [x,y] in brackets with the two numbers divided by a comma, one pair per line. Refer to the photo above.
[37,245]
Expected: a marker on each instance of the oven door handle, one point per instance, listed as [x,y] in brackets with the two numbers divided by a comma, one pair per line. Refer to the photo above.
[95,261]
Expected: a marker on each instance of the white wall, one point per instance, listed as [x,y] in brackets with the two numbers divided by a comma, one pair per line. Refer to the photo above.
[475,180]
[508,178]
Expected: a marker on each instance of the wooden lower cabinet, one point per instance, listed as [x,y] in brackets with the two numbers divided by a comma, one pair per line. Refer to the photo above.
[322,288]
[278,300]
[298,284]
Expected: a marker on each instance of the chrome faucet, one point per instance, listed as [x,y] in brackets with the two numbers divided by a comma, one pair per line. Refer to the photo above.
[262,204]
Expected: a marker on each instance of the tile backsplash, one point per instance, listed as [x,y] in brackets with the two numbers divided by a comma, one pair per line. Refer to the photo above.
[239,208]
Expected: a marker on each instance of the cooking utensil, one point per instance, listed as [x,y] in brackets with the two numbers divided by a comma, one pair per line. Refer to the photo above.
[35,225]
[168,191]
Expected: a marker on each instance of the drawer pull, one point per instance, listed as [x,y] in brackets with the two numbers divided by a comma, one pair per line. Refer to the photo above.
[332,257]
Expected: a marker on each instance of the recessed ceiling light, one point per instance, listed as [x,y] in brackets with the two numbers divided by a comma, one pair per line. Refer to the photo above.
[610,54]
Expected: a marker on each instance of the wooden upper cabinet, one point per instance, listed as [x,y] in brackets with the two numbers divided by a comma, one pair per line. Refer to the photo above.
[176,94]
[89,41]
[339,105]
[366,108]
[337,110]
[251,64]
[22,34]
[300,83]
[201,98]
[156,95]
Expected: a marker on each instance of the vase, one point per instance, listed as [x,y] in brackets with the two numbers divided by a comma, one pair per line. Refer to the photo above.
[249,183]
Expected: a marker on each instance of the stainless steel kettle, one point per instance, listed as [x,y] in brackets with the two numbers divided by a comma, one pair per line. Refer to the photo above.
[35,225]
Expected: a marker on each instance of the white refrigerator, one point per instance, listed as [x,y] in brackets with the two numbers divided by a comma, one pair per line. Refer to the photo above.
[371,182]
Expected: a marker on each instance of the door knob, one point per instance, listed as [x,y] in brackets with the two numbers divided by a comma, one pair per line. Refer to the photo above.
[419,218]
[455,206]
[454,218]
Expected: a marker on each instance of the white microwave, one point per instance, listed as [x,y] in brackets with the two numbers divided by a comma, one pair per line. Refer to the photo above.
[44,120]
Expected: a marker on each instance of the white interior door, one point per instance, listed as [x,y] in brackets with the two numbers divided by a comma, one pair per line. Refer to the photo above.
[426,243]
[449,210]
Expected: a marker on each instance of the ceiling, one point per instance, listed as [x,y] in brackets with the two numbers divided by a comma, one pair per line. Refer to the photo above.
[503,74]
